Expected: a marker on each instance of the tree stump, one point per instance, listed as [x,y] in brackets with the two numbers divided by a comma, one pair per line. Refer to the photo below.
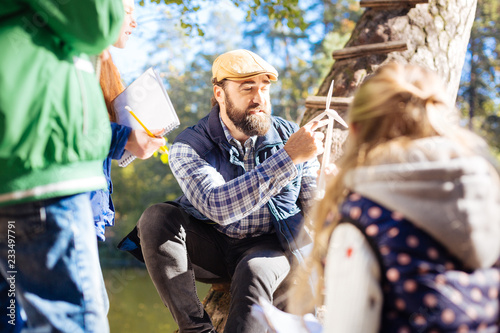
[217,301]
[216,304]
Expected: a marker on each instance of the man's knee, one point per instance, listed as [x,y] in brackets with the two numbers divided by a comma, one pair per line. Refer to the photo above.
[158,219]
[267,272]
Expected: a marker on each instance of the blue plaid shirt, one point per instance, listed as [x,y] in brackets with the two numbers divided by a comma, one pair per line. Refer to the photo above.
[239,206]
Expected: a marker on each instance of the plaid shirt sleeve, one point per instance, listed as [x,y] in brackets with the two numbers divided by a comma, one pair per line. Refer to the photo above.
[228,202]
[308,184]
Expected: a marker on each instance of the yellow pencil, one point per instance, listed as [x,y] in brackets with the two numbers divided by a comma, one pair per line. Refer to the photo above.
[163,148]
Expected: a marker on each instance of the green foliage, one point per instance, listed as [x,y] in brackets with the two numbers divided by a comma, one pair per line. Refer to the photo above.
[490,129]
[281,12]
[136,187]
[191,91]
[333,41]
[479,98]
[301,52]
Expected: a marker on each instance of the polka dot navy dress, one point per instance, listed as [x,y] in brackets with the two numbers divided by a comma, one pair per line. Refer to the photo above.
[425,288]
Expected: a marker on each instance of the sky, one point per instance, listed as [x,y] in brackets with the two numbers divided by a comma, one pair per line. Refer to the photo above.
[153,19]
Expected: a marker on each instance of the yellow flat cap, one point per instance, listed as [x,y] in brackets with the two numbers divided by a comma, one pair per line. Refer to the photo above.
[241,64]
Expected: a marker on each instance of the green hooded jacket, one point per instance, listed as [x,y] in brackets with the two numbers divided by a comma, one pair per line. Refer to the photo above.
[54,128]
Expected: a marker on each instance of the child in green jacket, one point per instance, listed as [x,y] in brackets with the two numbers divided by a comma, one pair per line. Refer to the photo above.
[54,135]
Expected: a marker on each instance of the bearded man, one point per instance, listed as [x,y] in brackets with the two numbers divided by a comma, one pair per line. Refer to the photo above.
[246,176]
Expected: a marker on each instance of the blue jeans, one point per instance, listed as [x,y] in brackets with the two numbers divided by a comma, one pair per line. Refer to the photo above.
[178,249]
[48,256]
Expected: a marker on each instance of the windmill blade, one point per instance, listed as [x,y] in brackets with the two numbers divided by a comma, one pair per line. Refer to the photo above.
[335,115]
[329,96]
[317,118]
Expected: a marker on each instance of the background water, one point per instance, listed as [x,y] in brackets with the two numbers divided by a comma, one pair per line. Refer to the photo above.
[135,306]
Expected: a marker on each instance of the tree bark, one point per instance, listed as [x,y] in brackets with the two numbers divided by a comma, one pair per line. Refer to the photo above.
[216,304]
[436,35]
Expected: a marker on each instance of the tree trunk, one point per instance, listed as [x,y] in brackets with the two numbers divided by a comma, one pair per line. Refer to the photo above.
[436,35]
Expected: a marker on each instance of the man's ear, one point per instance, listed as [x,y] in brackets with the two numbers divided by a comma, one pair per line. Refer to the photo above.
[219,94]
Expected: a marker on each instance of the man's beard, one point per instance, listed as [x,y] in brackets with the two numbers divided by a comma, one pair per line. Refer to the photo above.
[250,124]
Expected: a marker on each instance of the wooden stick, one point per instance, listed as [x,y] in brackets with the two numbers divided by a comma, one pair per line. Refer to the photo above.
[318,102]
[391,3]
[367,49]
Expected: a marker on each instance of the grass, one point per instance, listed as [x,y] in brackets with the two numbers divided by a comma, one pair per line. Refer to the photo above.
[135,306]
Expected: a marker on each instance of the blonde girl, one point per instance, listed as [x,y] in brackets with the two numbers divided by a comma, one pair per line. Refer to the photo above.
[407,235]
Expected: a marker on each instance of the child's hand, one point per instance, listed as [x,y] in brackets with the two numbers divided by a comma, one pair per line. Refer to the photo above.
[331,170]
[105,55]
[142,145]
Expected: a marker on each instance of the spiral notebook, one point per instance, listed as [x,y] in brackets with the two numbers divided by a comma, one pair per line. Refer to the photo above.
[149,100]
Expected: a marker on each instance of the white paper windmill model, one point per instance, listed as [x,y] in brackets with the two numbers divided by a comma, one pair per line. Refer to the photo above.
[332,116]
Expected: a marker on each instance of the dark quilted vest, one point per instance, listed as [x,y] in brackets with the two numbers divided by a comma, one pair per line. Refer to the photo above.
[207,138]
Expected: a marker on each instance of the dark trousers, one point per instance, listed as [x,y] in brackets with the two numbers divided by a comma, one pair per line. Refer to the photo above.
[178,248]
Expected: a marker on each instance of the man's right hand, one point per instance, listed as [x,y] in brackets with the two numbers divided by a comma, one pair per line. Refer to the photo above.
[305,144]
